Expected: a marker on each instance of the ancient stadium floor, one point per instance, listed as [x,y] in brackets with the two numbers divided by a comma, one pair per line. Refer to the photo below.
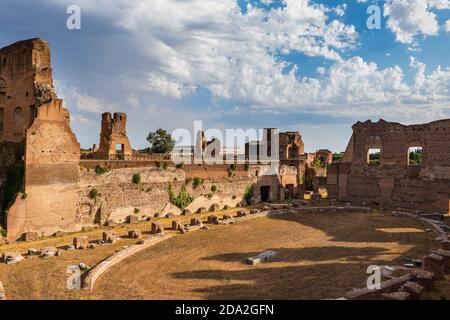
[319,256]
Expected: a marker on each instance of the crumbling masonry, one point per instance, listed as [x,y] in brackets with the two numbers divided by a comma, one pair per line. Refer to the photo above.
[394,180]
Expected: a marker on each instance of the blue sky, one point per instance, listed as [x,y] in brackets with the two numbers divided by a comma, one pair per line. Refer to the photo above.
[311,66]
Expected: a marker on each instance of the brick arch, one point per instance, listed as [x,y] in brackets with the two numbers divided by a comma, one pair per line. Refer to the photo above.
[18,120]
[416,143]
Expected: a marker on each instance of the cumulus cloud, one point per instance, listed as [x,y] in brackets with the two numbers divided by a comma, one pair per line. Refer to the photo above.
[408,19]
[237,57]
[447,25]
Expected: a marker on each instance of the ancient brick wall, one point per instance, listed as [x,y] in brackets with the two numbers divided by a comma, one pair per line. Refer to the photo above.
[118,196]
[52,155]
[394,180]
[25,83]
[113,137]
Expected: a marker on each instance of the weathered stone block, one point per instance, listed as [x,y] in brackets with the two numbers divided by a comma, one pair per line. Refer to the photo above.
[134,234]
[212,219]
[132,219]
[241,213]
[424,278]
[196,222]
[434,263]
[30,236]
[156,228]
[109,237]
[396,296]
[414,289]
[264,256]
[48,252]
[11,257]
[177,225]
[227,217]
[81,243]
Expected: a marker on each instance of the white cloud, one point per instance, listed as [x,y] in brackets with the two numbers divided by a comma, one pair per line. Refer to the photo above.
[447,25]
[408,19]
[198,44]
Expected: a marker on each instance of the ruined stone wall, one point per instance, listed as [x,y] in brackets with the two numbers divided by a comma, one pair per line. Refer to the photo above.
[25,83]
[52,155]
[393,180]
[118,196]
[113,134]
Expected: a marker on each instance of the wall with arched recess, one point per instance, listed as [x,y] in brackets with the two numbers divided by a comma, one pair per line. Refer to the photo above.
[393,180]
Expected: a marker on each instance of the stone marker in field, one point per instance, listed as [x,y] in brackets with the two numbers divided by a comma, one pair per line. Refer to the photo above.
[157,228]
[213,219]
[265,256]
[81,243]
[177,225]
[196,222]
[241,213]
[109,237]
[134,234]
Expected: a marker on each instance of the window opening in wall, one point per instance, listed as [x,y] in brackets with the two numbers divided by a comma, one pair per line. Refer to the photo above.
[415,156]
[374,156]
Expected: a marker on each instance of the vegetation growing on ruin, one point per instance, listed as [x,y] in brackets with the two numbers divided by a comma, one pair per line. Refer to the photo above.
[197,182]
[210,195]
[180,165]
[101,170]
[93,194]
[182,200]
[214,188]
[337,156]
[248,194]
[317,163]
[136,210]
[161,142]
[136,178]
[13,184]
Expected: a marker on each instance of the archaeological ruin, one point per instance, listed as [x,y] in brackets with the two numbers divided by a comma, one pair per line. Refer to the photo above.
[61,190]
[391,178]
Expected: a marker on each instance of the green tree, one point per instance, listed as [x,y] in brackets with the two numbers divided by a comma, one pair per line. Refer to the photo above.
[161,141]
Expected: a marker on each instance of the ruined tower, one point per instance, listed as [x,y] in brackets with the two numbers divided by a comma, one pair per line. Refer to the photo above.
[114,143]
[25,84]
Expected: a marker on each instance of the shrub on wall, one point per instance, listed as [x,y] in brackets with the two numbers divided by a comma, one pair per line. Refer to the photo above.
[214,188]
[182,200]
[180,165]
[136,178]
[13,184]
[101,170]
[248,195]
[197,182]
[136,210]
[93,194]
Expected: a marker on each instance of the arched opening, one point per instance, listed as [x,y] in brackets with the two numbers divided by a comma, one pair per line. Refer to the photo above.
[18,121]
[415,155]
[373,156]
